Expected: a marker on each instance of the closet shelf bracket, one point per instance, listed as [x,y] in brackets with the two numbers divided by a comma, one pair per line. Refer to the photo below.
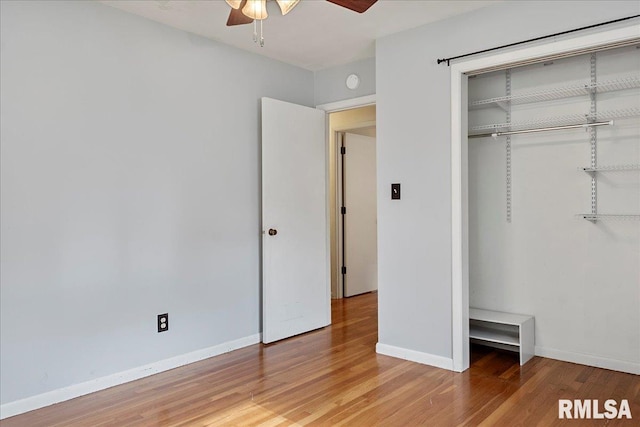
[617,217]
[611,168]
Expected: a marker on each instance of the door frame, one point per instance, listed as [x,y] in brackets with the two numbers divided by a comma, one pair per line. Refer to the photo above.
[348,104]
[334,107]
[459,164]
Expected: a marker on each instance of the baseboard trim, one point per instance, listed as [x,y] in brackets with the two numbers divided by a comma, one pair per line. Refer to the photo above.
[415,356]
[589,360]
[76,390]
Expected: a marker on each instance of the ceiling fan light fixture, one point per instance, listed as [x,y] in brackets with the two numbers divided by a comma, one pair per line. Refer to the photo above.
[287,5]
[256,9]
[252,11]
[235,4]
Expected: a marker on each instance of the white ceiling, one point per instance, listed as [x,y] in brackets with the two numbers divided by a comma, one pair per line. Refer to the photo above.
[315,35]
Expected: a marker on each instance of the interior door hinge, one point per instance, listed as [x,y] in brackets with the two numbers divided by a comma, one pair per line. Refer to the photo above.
[343,210]
[343,150]
[344,270]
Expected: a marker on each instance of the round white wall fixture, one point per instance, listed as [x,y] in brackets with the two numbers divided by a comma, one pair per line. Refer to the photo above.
[353,81]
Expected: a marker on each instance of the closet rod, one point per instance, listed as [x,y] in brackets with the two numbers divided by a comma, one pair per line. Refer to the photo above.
[516,132]
[447,60]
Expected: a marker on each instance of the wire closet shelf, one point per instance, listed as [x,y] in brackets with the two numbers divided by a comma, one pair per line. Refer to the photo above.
[550,94]
[589,121]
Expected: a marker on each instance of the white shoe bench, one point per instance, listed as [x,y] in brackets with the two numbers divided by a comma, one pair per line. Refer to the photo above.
[507,331]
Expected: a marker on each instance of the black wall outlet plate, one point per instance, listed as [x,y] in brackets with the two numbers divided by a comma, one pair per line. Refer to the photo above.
[163,322]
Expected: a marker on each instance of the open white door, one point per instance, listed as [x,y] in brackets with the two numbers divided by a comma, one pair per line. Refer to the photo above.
[360,221]
[295,260]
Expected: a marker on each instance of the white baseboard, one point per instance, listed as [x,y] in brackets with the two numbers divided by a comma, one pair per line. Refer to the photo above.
[76,390]
[589,360]
[415,356]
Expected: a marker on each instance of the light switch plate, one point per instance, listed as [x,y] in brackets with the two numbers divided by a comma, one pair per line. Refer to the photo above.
[395,191]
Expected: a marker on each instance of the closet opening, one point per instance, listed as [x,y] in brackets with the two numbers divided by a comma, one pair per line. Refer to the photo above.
[545,156]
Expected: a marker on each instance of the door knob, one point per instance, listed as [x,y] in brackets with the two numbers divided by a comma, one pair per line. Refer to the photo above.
[272,232]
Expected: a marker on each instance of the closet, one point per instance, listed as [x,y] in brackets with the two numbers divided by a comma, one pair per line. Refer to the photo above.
[554,206]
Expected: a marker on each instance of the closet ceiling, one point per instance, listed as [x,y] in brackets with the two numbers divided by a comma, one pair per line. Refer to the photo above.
[315,35]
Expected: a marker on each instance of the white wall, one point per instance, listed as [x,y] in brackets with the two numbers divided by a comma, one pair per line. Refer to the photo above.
[330,83]
[413,133]
[579,279]
[130,188]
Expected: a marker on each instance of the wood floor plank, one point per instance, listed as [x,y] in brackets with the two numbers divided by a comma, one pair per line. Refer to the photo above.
[333,377]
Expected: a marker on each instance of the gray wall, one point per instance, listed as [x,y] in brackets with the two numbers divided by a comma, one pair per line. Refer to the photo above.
[413,119]
[330,83]
[130,187]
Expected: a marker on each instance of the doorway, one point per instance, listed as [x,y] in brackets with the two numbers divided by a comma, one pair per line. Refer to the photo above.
[296,295]
[353,217]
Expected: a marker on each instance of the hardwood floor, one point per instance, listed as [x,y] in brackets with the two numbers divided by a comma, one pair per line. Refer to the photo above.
[334,377]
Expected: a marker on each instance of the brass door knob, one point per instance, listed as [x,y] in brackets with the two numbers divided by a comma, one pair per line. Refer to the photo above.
[272,232]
